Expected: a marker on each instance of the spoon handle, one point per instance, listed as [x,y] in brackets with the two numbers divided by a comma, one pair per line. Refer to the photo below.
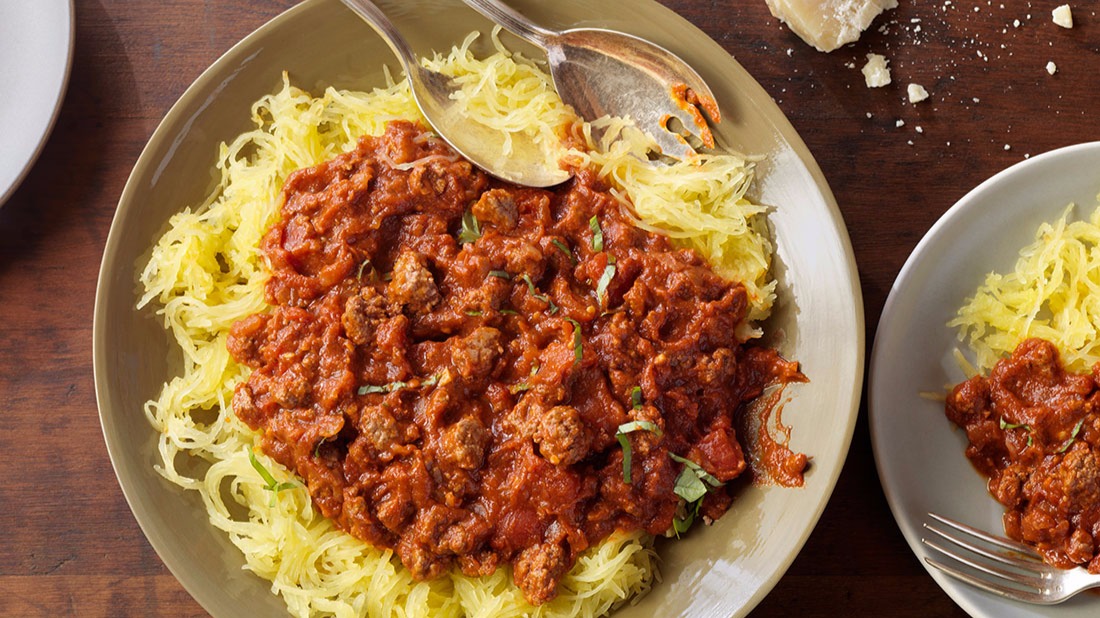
[512,20]
[385,28]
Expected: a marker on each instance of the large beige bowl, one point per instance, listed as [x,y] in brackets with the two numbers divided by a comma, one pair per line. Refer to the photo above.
[724,570]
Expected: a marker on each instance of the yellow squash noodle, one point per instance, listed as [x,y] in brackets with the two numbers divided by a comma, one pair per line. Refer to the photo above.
[1053,293]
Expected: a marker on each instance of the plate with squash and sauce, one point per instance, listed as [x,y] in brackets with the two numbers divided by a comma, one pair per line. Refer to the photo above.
[381,381]
[982,395]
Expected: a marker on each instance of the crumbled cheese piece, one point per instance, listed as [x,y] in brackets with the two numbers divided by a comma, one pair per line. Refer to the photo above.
[917,93]
[828,24]
[1052,68]
[919,129]
[900,123]
[875,72]
[1063,16]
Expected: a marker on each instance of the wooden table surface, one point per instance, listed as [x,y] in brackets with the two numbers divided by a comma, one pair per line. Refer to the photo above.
[68,543]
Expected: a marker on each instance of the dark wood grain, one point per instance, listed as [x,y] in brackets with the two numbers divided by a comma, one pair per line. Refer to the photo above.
[68,544]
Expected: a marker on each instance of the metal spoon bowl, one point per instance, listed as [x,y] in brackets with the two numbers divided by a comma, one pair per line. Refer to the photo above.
[526,164]
[607,73]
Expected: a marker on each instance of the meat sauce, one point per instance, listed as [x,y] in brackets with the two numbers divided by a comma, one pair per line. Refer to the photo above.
[448,360]
[1034,430]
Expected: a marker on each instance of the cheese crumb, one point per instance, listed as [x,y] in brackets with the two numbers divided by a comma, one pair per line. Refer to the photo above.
[1063,16]
[900,123]
[917,93]
[1052,68]
[875,72]
[828,24]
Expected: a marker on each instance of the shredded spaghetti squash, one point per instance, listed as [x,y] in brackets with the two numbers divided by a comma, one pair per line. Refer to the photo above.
[1052,293]
[207,272]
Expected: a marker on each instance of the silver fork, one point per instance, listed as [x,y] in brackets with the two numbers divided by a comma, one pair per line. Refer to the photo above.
[1002,566]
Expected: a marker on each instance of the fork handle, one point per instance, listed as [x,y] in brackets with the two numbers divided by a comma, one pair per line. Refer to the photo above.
[513,21]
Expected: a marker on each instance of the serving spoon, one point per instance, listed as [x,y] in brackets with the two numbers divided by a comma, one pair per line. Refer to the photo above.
[526,164]
[603,72]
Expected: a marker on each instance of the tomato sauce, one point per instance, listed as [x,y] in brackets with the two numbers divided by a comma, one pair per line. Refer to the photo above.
[453,364]
[1034,430]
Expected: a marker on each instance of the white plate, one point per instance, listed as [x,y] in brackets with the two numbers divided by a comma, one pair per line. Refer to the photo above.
[919,453]
[36,44]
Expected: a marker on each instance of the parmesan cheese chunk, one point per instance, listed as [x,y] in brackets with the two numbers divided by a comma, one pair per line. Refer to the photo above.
[917,93]
[1063,16]
[1052,68]
[828,24]
[875,72]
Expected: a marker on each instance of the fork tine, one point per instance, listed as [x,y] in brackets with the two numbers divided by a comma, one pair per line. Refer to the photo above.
[992,570]
[1023,562]
[988,585]
[1008,544]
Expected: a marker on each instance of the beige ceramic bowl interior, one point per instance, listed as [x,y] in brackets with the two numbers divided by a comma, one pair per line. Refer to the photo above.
[720,571]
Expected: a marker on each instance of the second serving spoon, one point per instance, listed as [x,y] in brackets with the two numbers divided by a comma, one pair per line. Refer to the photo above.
[607,73]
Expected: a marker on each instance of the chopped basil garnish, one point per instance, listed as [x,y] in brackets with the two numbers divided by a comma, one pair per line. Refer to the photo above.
[272,485]
[578,350]
[509,312]
[523,386]
[473,314]
[624,442]
[500,274]
[471,230]
[681,524]
[1073,436]
[692,486]
[1005,425]
[566,250]
[689,484]
[636,425]
[396,386]
[605,279]
[366,263]
[1024,426]
[597,233]
[636,397]
[531,288]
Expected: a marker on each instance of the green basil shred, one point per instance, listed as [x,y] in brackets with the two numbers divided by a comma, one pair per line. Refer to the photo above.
[272,485]
[500,274]
[366,263]
[534,292]
[597,233]
[605,279]
[396,386]
[1073,436]
[566,250]
[692,485]
[624,442]
[471,230]
[578,350]
[636,397]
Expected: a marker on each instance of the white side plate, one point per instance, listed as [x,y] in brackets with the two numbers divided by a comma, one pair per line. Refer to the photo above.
[36,44]
[919,453]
